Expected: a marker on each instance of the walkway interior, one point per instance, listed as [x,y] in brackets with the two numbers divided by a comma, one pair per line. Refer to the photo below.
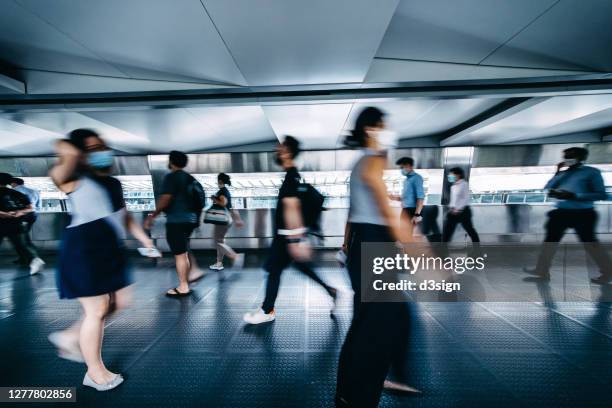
[197,351]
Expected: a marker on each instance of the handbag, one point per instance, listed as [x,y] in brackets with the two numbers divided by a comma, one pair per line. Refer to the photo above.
[217,215]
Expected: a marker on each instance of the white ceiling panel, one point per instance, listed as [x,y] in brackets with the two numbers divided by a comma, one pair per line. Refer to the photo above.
[19,139]
[391,70]
[551,117]
[235,125]
[27,41]
[573,34]
[316,126]
[167,129]
[61,122]
[191,129]
[400,115]
[281,42]
[418,118]
[149,39]
[463,31]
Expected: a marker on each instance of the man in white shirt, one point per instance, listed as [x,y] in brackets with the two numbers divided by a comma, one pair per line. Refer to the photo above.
[459,208]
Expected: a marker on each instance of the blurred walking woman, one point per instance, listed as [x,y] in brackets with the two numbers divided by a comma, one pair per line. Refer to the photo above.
[93,263]
[378,331]
[223,198]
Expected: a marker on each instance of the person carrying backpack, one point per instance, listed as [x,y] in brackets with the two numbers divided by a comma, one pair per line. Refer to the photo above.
[290,244]
[182,200]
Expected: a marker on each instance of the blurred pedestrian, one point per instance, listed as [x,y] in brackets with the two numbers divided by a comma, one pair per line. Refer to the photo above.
[412,197]
[459,211]
[93,265]
[290,243]
[182,199]
[223,198]
[576,187]
[378,336]
[13,207]
[30,218]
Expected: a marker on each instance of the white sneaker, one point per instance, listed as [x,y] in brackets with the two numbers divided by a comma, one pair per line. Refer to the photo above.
[216,267]
[36,266]
[258,317]
[239,261]
[396,386]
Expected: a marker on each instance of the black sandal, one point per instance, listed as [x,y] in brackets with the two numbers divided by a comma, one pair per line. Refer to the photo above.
[177,294]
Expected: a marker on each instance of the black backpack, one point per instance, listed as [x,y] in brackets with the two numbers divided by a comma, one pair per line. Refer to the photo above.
[311,202]
[197,195]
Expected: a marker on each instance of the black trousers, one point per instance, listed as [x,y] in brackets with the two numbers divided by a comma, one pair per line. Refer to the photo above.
[28,222]
[583,222]
[278,260]
[17,236]
[465,219]
[429,225]
[377,337]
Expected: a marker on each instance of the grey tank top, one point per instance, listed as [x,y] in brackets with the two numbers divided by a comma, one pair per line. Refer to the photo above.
[363,208]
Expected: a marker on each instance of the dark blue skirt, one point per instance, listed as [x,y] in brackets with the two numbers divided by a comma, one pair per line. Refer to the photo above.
[93,261]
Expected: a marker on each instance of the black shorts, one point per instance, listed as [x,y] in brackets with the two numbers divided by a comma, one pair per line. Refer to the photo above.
[177,236]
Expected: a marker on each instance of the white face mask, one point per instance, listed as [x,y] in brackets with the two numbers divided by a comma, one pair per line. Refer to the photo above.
[387,139]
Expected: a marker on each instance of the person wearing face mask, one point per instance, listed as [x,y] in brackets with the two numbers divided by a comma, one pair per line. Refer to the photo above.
[181,220]
[413,194]
[377,339]
[92,264]
[575,186]
[459,209]
[223,198]
[290,243]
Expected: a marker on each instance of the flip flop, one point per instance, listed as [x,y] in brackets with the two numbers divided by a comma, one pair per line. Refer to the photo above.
[176,294]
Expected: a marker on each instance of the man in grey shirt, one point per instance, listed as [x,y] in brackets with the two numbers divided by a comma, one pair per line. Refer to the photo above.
[181,220]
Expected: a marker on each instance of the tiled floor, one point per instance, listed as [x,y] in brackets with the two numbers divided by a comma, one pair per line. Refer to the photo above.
[197,351]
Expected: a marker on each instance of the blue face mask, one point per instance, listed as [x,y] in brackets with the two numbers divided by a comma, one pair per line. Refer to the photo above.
[100,160]
[405,172]
[451,178]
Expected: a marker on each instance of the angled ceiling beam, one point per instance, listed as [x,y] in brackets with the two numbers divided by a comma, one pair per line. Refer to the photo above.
[508,88]
[11,85]
[460,133]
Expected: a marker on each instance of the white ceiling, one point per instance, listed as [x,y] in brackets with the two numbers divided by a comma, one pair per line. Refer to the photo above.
[551,117]
[71,47]
[302,42]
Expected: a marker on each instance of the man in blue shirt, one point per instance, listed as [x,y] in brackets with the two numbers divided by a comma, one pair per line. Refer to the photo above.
[413,194]
[576,187]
